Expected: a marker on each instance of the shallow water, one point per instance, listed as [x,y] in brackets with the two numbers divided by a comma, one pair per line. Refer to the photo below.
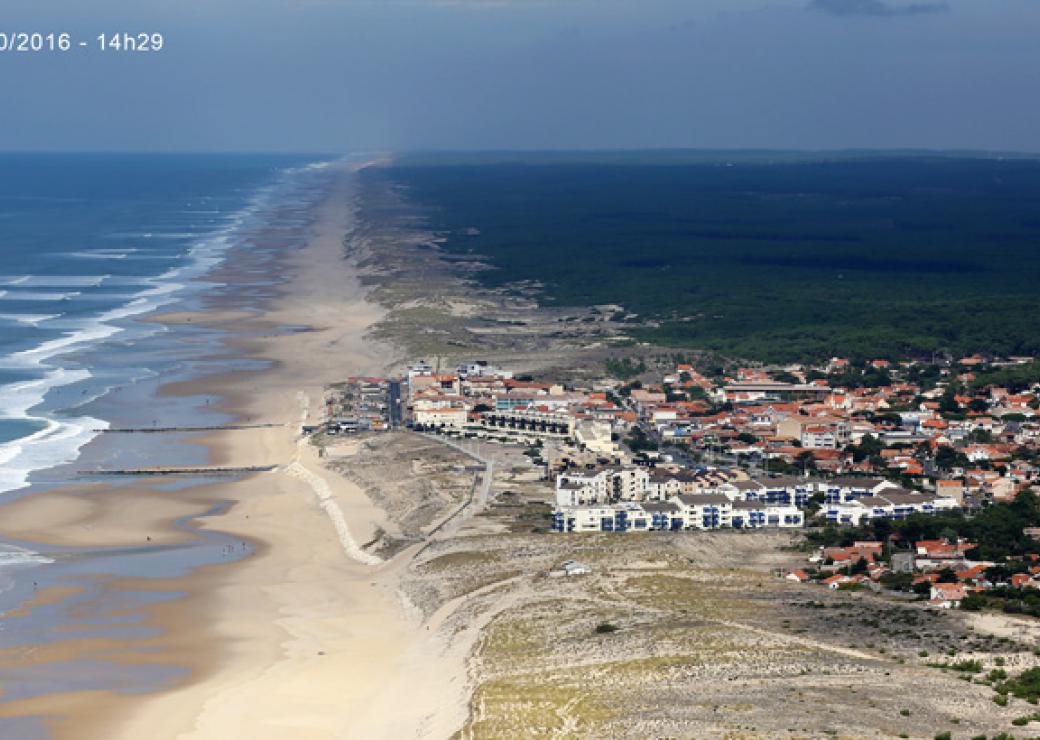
[88,245]
[73,365]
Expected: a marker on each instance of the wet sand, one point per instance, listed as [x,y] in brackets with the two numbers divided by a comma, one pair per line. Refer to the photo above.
[97,516]
[300,638]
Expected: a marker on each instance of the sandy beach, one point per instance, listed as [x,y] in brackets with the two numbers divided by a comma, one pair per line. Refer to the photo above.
[304,637]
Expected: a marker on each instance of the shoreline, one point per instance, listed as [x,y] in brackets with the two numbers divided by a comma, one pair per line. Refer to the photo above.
[55,376]
[297,635]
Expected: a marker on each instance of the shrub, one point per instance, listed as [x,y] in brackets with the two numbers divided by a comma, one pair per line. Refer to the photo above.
[964,666]
[997,674]
[973,602]
[1025,686]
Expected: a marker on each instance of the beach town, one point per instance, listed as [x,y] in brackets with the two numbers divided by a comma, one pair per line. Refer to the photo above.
[837,449]
[758,448]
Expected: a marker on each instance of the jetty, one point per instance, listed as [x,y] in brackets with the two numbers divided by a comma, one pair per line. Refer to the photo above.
[159,430]
[182,471]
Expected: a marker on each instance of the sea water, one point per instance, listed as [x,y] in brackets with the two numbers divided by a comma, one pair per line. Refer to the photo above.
[89,245]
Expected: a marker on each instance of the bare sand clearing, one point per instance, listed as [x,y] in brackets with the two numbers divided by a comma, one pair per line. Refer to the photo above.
[307,637]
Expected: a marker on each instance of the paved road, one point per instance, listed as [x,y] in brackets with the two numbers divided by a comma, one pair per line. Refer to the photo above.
[478,500]
[473,450]
[393,402]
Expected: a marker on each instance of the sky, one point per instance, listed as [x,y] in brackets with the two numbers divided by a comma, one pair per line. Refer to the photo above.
[394,75]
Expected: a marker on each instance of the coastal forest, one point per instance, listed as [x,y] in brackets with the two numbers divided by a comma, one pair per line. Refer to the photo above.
[770,257]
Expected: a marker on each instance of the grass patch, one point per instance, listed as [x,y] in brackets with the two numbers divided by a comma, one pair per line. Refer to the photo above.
[528,707]
[461,560]
[963,666]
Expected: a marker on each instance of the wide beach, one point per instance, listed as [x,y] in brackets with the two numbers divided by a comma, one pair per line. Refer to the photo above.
[301,635]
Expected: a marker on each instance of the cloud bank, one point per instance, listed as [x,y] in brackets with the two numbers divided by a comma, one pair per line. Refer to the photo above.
[876,8]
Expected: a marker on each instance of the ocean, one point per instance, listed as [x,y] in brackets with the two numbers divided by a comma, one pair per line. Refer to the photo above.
[89,245]
[92,248]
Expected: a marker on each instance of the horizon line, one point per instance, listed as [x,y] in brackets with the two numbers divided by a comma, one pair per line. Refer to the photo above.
[916,151]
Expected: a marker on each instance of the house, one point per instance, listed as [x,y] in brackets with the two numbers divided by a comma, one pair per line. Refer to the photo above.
[610,483]
[454,418]
[951,489]
[481,369]
[775,490]
[757,514]
[847,488]
[601,518]
[1018,580]
[665,516]
[580,487]
[835,581]
[706,511]
[527,421]
[891,502]
[947,595]
[903,562]
[825,436]
[815,432]
[682,512]
[595,436]
[938,554]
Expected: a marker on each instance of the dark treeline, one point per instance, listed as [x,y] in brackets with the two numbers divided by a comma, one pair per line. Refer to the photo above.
[877,257]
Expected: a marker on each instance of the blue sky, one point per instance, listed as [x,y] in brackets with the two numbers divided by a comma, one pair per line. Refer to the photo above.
[344,75]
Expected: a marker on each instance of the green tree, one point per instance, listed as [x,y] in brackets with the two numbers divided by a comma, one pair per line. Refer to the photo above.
[805,461]
[859,567]
[973,602]
[868,447]
[948,403]
[978,405]
[947,458]
[638,441]
[924,588]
